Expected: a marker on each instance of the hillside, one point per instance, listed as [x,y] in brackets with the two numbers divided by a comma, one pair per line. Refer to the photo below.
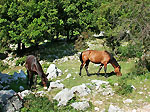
[130,92]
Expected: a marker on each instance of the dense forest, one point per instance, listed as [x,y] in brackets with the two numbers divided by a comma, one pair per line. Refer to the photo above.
[32,21]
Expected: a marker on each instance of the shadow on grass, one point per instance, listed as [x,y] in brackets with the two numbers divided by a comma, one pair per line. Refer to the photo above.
[50,51]
[103,74]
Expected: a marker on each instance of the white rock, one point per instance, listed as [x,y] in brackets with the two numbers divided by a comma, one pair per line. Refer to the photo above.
[134,110]
[127,101]
[98,102]
[114,109]
[21,88]
[66,70]
[115,84]
[53,72]
[80,105]
[24,93]
[41,93]
[82,90]
[98,83]
[108,91]
[68,76]
[63,96]
[55,85]
[96,109]
[133,87]
[140,92]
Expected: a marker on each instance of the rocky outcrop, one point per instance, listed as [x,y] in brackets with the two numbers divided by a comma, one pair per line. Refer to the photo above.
[66,94]
[10,101]
[80,105]
[53,72]
[5,78]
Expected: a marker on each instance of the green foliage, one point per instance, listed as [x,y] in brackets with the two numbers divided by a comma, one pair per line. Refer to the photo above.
[21,61]
[31,22]
[123,87]
[3,66]
[80,43]
[43,104]
[0,106]
[130,51]
[37,104]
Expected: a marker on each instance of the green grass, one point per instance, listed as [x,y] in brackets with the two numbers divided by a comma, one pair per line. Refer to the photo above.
[140,82]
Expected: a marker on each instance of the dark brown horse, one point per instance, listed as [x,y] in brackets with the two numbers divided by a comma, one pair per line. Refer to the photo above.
[34,67]
[99,57]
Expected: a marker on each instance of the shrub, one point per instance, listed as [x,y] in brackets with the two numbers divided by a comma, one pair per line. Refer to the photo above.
[37,104]
[21,61]
[130,51]
[43,104]
[123,88]
[80,43]
[3,66]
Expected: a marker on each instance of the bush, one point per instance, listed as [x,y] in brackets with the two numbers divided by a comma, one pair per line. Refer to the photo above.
[21,61]
[123,88]
[130,51]
[43,104]
[37,104]
[80,43]
[3,66]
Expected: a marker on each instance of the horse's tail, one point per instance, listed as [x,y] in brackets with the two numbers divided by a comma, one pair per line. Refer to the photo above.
[81,57]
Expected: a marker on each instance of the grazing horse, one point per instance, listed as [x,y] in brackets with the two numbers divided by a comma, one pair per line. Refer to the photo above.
[34,67]
[99,57]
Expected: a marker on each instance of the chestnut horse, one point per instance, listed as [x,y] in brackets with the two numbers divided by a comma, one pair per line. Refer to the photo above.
[99,57]
[34,67]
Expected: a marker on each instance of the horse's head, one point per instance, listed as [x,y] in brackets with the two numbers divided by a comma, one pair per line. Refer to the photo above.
[118,71]
[44,80]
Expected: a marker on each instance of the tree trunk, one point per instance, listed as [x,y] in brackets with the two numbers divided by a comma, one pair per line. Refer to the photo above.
[19,46]
[68,35]
[23,46]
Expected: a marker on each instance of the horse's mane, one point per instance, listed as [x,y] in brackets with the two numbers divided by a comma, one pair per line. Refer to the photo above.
[112,59]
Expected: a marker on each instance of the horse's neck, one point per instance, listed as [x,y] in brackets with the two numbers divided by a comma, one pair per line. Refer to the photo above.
[38,68]
[114,63]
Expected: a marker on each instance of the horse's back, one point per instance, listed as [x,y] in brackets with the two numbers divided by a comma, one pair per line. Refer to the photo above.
[30,62]
[96,56]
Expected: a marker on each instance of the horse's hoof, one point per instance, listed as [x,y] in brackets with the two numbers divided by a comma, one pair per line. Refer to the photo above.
[106,76]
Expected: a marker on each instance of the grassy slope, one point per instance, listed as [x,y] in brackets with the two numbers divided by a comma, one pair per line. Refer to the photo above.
[140,82]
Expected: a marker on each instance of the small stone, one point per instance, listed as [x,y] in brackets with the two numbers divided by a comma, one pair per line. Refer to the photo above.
[21,88]
[127,101]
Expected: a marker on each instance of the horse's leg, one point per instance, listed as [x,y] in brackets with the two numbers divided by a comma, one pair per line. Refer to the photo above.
[35,80]
[86,67]
[100,68]
[105,69]
[28,82]
[31,79]
[81,67]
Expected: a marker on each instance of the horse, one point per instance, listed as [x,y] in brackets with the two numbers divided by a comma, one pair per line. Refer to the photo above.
[99,57]
[34,67]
